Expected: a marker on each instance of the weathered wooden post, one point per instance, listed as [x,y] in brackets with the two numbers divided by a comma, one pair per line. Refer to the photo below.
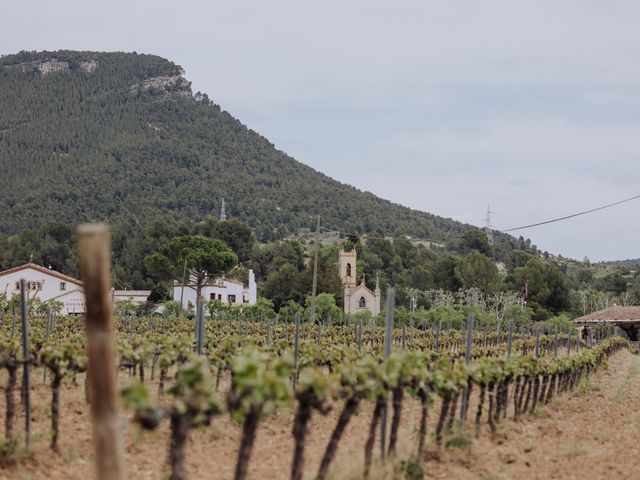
[132,325]
[510,339]
[388,342]
[199,327]
[26,393]
[296,351]
[314,281]
[94,251]
[467,359]
[13,324]
[48,324]
[318,333]
[268,331]
[412,325]
[286,330]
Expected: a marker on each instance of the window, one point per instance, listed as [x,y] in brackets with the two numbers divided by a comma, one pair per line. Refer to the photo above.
[33,285]
[232,299]
[17,285]
[212,296]
[219,296]
[362,303]
[63,285]
[348,269]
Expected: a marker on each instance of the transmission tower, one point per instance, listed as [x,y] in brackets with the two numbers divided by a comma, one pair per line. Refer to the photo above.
[488,229]
[223,213]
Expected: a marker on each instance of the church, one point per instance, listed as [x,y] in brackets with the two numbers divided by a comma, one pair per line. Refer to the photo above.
[357,298]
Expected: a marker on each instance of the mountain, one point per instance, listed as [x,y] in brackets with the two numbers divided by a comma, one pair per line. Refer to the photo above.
[121,137]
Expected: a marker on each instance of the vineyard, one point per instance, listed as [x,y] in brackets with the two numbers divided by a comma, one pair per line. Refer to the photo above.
[388,394]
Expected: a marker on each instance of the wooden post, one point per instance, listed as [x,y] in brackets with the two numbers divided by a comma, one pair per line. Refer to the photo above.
[388,343]
[268,331]
[26,394]
[184,279]
[47,330]
[412,326]
[510,339]
[94,252]
[199,326]
[314,284]
[318,333]
[296,351]
[467,360]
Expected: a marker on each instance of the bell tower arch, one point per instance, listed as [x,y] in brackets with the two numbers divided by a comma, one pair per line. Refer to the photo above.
[347,264]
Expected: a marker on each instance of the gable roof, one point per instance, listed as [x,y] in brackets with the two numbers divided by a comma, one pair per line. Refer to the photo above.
[77,290]
[42,270]
[612,315]
[131,293]
[359,288]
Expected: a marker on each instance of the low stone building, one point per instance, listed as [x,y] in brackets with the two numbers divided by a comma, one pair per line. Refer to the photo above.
[137,297]
[627,318]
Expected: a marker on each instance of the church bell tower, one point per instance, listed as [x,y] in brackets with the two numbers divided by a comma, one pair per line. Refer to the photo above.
[347,263]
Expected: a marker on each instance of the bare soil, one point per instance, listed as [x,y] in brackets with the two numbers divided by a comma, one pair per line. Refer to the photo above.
[593,434]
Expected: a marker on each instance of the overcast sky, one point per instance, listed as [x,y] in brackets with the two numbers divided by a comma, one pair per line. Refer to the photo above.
[531,107]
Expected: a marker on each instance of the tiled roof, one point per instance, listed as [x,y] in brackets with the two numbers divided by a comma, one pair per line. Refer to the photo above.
[612,315]
[43,270]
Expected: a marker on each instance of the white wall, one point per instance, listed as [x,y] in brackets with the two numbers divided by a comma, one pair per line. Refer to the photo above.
[73,302]
[252,291]
[209,292]
[50,288]
[50,284]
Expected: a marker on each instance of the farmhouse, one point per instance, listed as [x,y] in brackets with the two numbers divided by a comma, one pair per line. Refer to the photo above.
[45,284]
[230,292]
[627,318]
[357,298]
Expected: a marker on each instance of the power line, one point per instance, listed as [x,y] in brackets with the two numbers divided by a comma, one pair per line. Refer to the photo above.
[450,237]
[573,215]
[373,237]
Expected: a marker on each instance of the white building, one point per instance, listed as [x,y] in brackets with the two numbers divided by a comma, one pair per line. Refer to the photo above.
[230,292]
[45,284]
[137,297]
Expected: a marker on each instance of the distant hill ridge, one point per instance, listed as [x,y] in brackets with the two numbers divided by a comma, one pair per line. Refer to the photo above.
[120,137]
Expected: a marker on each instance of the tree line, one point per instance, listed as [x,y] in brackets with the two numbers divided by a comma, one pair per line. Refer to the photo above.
[284,268]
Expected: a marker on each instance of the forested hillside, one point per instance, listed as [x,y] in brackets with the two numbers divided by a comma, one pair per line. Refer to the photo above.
[121,137]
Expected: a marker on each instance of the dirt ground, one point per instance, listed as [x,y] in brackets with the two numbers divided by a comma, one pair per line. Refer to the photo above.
[594,434]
